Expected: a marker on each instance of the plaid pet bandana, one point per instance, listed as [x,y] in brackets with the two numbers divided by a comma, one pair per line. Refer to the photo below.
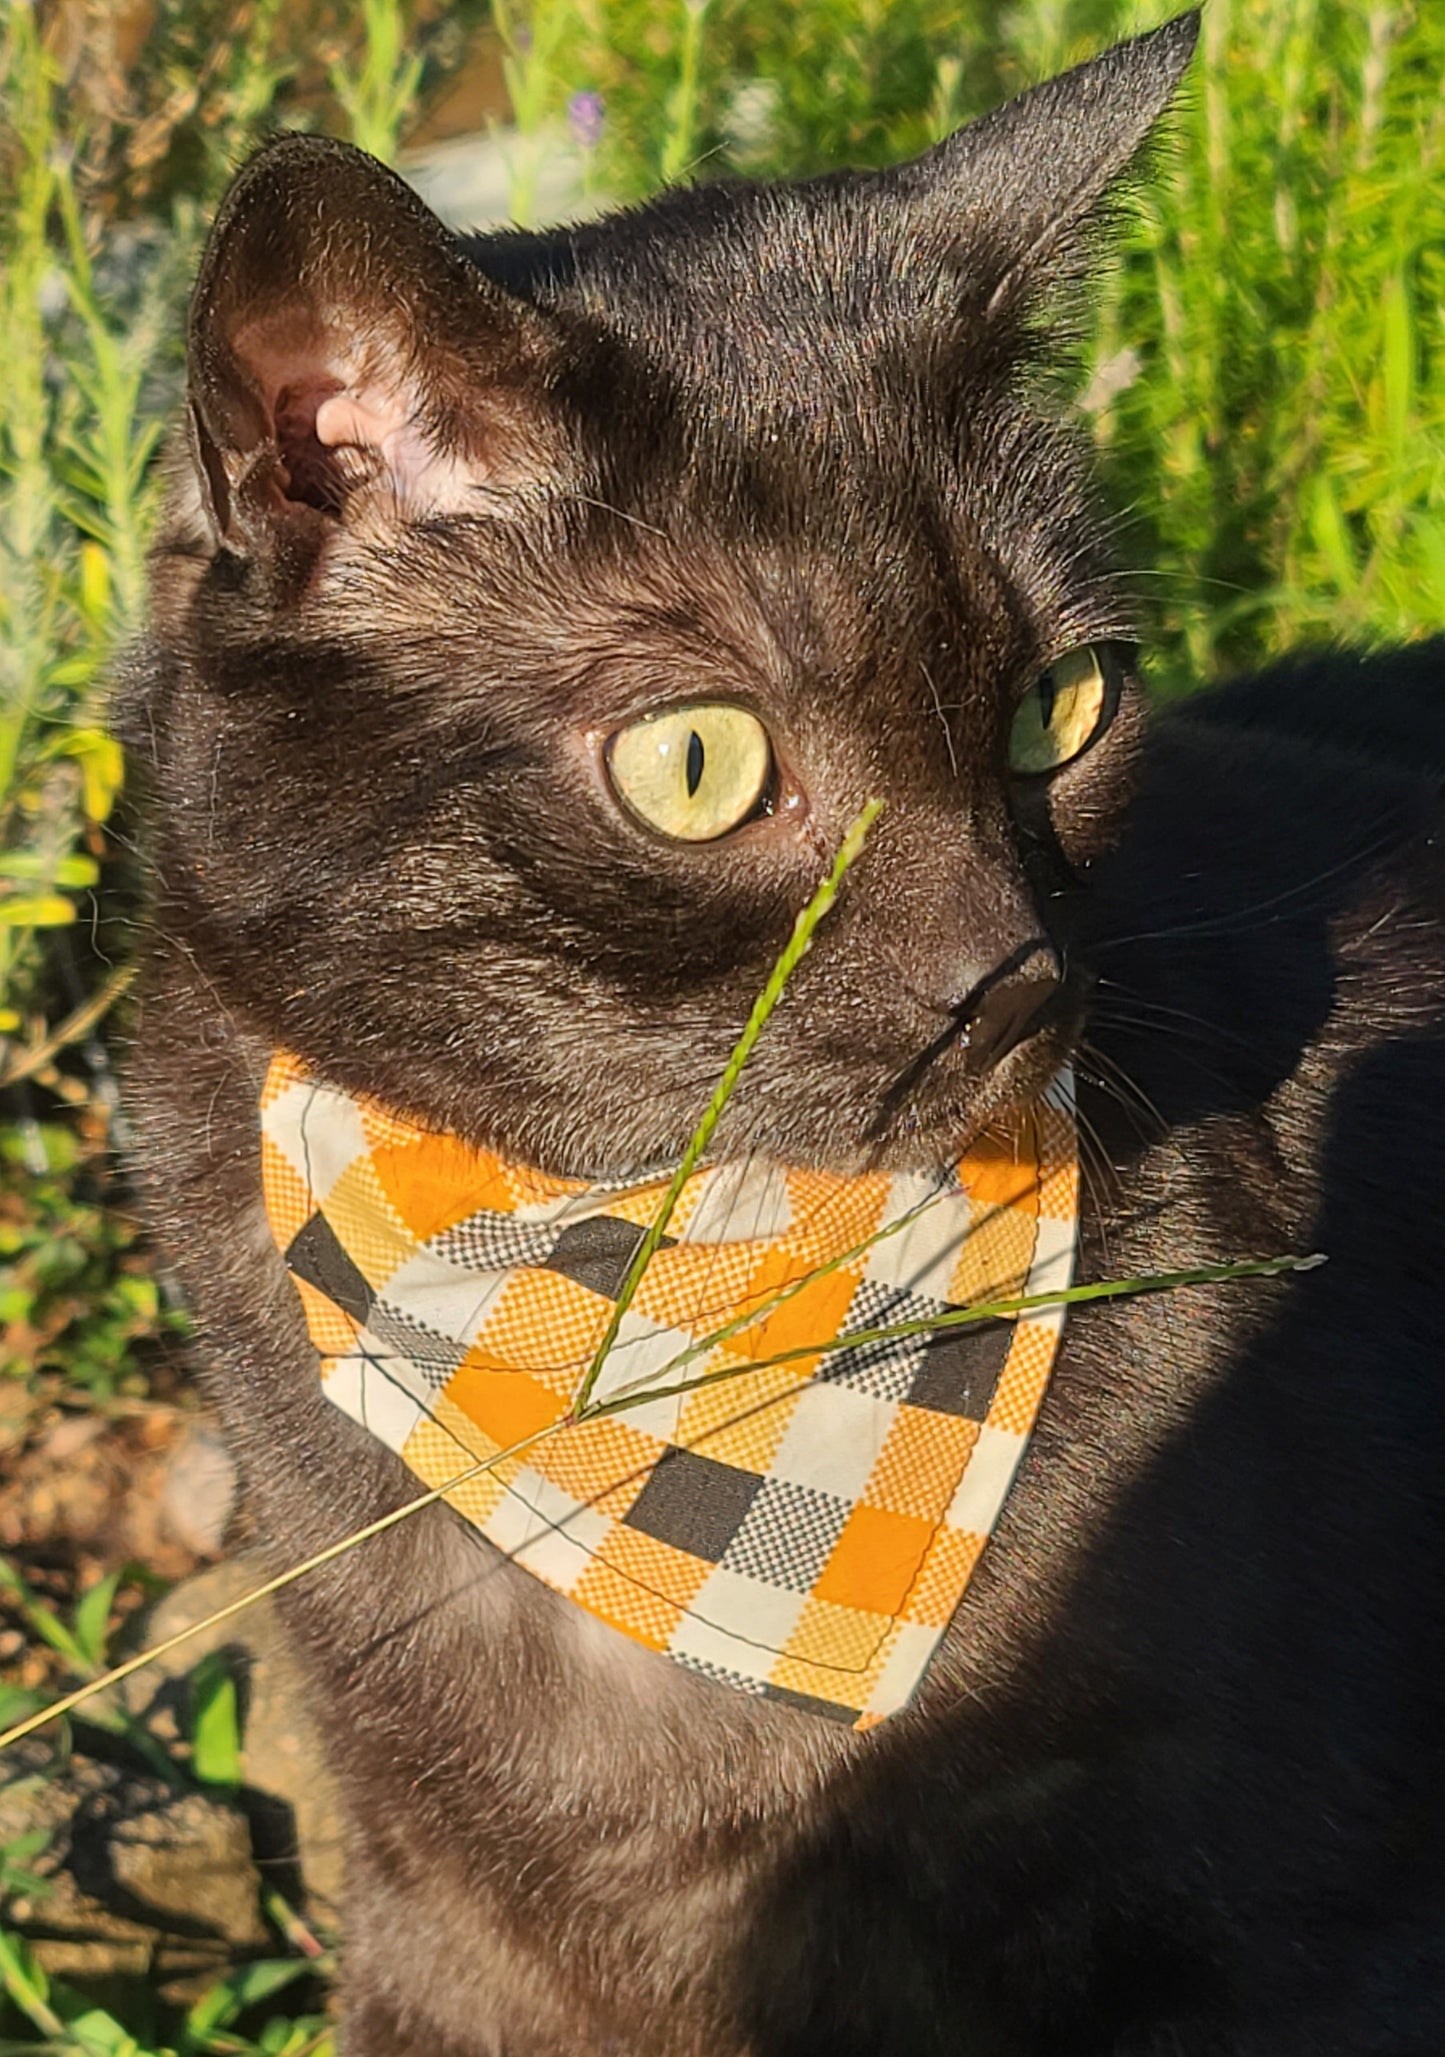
[803,1531]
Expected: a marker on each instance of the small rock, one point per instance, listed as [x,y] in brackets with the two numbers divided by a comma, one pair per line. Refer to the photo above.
[138,1880]
[142,1881]
[185,1863]
[71,1434]
[288,1791]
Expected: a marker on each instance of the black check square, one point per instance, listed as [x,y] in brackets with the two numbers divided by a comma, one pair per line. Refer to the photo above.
[719,1674]
[885,1370]
[314,1254]
[961,1367]
[808,1703]
[694,1503]
[788,1535]
[597,1251]
[404,1341]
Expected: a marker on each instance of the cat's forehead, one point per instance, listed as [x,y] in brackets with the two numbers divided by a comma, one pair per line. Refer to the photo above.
[816,302]
[796,377]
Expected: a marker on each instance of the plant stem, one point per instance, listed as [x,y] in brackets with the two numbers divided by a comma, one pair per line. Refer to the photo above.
[26,1993]
[793,952]
[677,147]
[959,1317]
[1201,1275]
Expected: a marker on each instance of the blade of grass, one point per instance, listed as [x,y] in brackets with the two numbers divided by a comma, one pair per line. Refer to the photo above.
[118,1673]
[215,1724]
[1200,1275]
[678,143]
[22,1978]
[379,93]
[42,1620]
[794,950]
[532,70]
[90,1620]
[770,1304]
[959,1317]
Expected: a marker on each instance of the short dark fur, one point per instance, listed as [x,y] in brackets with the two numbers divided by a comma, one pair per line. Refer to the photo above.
[1174,1785]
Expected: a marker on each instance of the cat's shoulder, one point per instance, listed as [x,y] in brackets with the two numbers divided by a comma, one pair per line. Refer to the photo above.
[1301,791]
[1385,707]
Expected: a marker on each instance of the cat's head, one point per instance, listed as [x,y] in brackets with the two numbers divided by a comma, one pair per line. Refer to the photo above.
[534,614]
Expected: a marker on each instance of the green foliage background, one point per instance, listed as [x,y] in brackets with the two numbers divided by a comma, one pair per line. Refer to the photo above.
[1263,370]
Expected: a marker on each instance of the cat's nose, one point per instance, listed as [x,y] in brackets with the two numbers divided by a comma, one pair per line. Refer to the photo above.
[1006,1006]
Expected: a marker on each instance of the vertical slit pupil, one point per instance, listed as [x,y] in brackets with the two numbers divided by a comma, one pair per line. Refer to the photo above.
[1048,696]
[694,763]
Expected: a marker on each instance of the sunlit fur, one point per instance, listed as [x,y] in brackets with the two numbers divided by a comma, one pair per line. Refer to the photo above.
[442,519]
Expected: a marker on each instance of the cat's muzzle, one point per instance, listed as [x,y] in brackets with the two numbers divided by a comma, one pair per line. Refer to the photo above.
[1016,999]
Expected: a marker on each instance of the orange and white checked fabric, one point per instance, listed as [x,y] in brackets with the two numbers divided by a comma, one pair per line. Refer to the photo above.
[802,1529]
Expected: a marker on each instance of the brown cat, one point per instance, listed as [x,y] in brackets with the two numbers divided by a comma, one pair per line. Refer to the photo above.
[451,518]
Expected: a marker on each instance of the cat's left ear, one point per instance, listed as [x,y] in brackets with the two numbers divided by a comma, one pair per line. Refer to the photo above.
[1010,193]
[346,360]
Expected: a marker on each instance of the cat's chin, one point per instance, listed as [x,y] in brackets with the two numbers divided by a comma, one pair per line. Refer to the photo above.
[942,1117]
[920,1120]
[840,1116]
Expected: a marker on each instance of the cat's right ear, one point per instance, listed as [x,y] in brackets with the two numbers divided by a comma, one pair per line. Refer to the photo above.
[348,364]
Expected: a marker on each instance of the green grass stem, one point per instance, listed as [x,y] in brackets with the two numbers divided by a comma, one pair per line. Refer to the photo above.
[377,94]
[1066,1296]
[679,140]
[532,66]
[961,1317]
[794,950]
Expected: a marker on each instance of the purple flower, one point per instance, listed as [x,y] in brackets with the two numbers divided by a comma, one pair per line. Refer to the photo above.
[585,116]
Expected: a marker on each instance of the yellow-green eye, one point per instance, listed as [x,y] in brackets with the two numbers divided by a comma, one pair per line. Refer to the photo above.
[692,773]
[1061,715]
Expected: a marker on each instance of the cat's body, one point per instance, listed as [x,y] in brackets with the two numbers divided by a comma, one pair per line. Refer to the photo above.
[1172,1786]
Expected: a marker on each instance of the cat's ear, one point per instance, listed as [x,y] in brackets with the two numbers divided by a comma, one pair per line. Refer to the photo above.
[346,358]
[1013,190]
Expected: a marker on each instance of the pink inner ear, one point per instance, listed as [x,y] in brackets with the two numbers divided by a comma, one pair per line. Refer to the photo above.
[346,416]
[365,419]
[341,424]
[321,468]
[376,418]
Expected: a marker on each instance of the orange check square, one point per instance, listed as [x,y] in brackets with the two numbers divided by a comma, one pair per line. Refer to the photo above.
[505,1405]
[288,1197]
[333,1332]
[675,1574]
[645,1616]
[1002,1172]
[433,1182]
[831,1639]
[946,1571]
[875,1561]
[601,1464]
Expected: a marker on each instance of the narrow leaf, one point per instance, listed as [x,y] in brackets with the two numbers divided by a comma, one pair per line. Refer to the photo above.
[215,1723]
[92,1617]
[793,953]
[36,911]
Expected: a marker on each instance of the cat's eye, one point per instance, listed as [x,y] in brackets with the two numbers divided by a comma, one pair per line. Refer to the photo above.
[1060,715]
[692,773]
